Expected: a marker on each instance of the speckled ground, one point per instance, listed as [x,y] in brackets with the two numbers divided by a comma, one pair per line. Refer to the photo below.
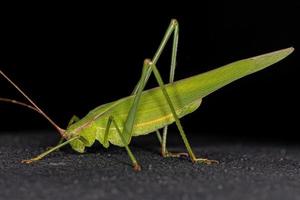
[247,170]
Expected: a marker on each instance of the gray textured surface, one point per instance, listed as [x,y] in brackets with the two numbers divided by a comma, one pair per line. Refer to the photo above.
[246,171]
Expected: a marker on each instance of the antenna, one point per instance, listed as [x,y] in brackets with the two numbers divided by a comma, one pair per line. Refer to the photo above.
[7,100]
[33,107]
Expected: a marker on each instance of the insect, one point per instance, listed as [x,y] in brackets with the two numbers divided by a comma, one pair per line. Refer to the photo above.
[147,111]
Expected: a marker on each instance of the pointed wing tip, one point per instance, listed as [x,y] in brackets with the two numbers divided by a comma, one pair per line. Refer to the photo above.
[289,50]
[279,54]
[286,51]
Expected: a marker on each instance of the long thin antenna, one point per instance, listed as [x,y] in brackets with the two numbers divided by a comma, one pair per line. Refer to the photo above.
[35,107]
[7,100]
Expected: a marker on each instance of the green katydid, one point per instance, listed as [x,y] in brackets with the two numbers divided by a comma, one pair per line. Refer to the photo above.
[147,111]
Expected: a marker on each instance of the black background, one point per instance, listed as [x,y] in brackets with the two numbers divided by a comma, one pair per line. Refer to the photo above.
[72,58]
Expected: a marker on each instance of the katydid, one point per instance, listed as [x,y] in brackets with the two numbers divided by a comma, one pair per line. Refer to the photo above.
[147,111]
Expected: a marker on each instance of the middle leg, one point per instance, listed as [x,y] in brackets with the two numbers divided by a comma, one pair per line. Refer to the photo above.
[111,120]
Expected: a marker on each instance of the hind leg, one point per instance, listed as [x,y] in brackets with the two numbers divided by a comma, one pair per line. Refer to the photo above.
[172,29]
[177,121]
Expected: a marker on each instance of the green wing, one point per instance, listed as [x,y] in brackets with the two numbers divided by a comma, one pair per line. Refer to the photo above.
[153,111]
[204,84]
